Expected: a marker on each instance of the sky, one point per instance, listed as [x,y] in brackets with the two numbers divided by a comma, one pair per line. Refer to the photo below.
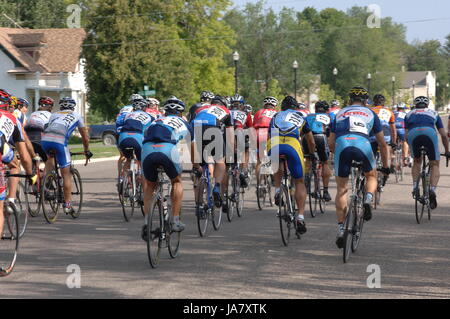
[407,12]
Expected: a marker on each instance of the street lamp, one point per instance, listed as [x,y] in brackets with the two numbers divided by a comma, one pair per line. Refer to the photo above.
[236,60]
[393,90]
[369,78]
[414,90]
[295,67]
[445,94]
[335,73]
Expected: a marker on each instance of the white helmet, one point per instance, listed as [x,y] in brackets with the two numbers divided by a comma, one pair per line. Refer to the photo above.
[153,101]
[270,100]
[135,97]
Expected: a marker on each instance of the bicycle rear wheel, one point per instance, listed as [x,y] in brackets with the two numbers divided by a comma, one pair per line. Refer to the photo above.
[216,217]
[260,192]
[358,226]
[240,201]
[50,194]
[348,231]
[231,204]
[154,230]
[21,206]
[201,208]
[314,194]
[285,216]
[77,193]
[127,198]
[33,197]
[9,242]
[173,242]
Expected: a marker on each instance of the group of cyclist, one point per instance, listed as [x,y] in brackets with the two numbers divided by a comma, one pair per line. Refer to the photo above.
[220,130]
[34,139]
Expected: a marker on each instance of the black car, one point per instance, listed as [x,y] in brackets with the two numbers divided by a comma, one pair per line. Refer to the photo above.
[106,133]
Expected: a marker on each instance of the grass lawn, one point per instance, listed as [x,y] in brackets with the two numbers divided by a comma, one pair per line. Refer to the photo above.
[97,148]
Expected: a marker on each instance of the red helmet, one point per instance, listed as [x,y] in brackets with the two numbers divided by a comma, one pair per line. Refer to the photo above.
[5,99]
[46,101]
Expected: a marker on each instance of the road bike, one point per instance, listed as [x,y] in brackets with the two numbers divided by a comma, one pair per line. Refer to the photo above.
[398,163]
[264,187]
[235,192]
[354,221]
[130,189]
[314,189]
[381,181]
[52,190]
[205,208]
[159,221]
[286,206]
[32,193]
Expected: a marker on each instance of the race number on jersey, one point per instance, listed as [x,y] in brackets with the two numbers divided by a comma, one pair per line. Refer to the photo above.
[295,118]
[218,112]
[6,127]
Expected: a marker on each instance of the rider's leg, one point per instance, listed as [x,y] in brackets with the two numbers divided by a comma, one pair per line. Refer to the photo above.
[148,194]
[300,196]
[326,174]
[177,195]
[341,198]
[435,173]
[13,182]
[415,171]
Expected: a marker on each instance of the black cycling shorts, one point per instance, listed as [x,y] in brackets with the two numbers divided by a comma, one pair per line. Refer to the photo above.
[210,145]
[322,148]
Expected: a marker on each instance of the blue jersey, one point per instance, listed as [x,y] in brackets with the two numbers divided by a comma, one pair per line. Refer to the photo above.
[357,120]
[318,122]
[212,115]
[137,122]
[169,129]
[423,118]
[400,120]
[61,126]
[120,120]
[289,123]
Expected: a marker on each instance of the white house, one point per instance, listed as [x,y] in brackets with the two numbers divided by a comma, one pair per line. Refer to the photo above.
[43,62]
[418,83]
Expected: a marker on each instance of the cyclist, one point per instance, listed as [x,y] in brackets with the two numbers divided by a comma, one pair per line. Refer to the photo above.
[21,110]
[205,99]
[335,107]
[421,124]
[153,108]
[10,133]
[160,149]
[400,115]
[303,109]
[261,123]
[209,122]
[349,140]
[120,121]
[387,120]
[319,123]
[286,129]
[55,140]
[243,124]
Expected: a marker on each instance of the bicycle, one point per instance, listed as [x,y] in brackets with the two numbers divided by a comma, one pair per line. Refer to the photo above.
[235,192]
[32,193]
[204,203]
[52,191]
[159,221]
[422,196]
[381,181]
[130,189]
[286,206]
[313,187]
[11,234]
[398,163]
[264,189]
[354,220]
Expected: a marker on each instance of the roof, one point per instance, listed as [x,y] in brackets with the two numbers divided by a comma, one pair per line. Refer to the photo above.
[420,78]
[55,50]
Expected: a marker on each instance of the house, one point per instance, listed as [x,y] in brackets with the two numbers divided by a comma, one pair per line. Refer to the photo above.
[419,83]
[43,62]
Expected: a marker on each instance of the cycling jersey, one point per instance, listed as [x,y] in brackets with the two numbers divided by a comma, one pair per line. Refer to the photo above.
[193,110]
[20,116]
[154,113]
[120,120]
[423,118]
[357,120]
[61,126]
[400,124]
[318,122]
[263,117]
[241,119]
[288,123]
[137,121]
[36,125]
[386,119]
[304,112]
[334,110]
[169,129]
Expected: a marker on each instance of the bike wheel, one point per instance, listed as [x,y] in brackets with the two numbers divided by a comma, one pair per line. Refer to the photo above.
[313,196]
[201,208]
[126,198]
[22,212]
[230,199]
[174,239]
[50,197]
[285,216]
[154,229]
[9,242]
[348,231]
[216,217]
[77,193]
[358,226]
[240,201]
[259,192]
[33,197]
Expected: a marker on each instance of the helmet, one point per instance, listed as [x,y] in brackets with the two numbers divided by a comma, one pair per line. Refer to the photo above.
[270,100]
[206,96]
[322,107]
[139,104]
[379,99]
[46,101]
[335,103]
[289,102]
[67,103]
[220,100]
[23,103]
[126,109]
[421,102]
[301,106]
[358,93]
[401,106]
[248,108]
[174,105]
[237,99]
[152,101]
[135,97]
[13,102]
[5,98]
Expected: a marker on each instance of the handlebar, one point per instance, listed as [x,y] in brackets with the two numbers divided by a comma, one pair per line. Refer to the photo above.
[88,155]
[447,159]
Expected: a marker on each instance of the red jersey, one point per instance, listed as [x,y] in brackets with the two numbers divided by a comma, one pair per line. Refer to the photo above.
[304,112]
[241,119]
[263,117]
[154,112]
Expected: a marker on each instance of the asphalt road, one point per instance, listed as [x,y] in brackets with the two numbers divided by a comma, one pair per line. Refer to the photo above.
[245,259]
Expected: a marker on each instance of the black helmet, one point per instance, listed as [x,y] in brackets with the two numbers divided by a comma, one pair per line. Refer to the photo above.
[220,100]
[379,99]
[206,96]
[174,106]
[322,107]
[421,102]
[289,102]
[358,93]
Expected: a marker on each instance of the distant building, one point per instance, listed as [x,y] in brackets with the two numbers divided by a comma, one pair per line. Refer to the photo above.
[43,62]
[420,83]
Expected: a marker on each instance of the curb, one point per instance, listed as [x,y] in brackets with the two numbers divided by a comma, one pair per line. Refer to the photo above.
[97,160]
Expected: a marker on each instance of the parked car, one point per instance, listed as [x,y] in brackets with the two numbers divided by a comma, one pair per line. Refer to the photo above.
[106,133]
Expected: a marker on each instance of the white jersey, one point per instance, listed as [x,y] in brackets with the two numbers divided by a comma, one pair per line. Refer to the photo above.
[61,126]
[38,120]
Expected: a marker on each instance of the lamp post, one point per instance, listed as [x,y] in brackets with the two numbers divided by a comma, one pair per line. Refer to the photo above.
[295,67]
[369,79]
[414,90]
[393,90]
[236,83]
[445,94]
[335,73]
